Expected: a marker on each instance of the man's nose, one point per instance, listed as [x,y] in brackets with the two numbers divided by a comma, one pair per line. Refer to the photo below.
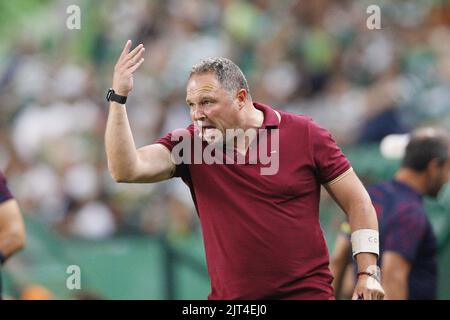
[197,115]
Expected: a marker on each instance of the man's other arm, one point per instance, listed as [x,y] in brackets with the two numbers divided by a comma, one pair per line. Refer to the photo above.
[350,194]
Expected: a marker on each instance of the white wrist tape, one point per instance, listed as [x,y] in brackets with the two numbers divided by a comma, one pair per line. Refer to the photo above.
[365,240]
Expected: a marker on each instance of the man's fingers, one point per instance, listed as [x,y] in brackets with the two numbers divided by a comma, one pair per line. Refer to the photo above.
[367,294]
[137,65]
[133,52]
[377,295]
[374,294]
[125,50]
[136,59]
[355,295]
[380,295]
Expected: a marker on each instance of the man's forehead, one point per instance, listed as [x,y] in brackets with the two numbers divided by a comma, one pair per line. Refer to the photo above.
[201,84]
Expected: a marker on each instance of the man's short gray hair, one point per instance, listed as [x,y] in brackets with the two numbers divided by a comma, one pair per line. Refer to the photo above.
[227,72]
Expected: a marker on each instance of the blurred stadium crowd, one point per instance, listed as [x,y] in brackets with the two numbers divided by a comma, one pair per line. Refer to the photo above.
[316,58]
[311,57]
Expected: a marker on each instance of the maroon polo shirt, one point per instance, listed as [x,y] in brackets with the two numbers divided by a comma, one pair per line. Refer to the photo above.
[262,234]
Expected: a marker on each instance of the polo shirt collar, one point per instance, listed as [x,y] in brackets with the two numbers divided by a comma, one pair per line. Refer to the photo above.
[409,189]
[270,117]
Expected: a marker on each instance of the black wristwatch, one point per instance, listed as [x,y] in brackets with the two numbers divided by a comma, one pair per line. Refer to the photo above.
[112,96]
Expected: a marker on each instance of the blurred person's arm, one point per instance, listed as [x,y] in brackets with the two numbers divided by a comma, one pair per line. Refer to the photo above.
[339,261]
[395,275]
[151,163]
[352,197]
[12,229]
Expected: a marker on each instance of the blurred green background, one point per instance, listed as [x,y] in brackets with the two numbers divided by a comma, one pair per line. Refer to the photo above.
[143,241]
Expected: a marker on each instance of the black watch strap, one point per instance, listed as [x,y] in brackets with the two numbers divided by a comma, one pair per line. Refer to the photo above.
[112,96]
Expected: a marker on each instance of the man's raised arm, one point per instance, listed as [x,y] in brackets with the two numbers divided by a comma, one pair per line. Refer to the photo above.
[151,163]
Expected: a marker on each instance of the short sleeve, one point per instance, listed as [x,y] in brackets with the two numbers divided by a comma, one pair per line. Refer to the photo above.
[404,232]
[329,160]
[171,139]
[5,194]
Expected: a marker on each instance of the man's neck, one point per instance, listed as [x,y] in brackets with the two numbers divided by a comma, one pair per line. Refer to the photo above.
[412,179]
[253,118]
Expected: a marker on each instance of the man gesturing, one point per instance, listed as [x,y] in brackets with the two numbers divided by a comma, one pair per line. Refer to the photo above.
[261,229]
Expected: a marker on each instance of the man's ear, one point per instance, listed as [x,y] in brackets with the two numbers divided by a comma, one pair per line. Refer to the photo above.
[241,96]
[434,167]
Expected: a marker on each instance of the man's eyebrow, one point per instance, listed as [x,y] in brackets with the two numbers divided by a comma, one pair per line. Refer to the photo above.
[210,97]
[189,101]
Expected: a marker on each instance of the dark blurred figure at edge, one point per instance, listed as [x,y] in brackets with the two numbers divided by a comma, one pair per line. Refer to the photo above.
[12,229]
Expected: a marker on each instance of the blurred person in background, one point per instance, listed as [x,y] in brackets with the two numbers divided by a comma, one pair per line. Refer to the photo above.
[250,255]
[12,229]
[408,244]
[341,265]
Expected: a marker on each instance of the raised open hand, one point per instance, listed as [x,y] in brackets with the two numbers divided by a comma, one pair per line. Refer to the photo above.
[128,63]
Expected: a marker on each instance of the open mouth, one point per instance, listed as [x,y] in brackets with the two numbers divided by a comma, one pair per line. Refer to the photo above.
[202,128]
[207,132]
